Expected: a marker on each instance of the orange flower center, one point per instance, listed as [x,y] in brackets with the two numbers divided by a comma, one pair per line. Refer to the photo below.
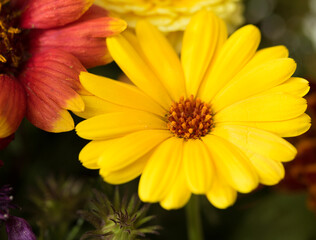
[12,39]
[190,118]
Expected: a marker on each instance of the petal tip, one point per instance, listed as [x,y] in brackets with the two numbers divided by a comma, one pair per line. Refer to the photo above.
[65,123]
[117,25]
[75,104]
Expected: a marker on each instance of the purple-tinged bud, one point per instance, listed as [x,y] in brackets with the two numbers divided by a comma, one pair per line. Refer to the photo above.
[19,229]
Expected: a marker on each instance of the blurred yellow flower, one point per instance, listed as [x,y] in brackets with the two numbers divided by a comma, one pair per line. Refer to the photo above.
[173,15]
[209,123]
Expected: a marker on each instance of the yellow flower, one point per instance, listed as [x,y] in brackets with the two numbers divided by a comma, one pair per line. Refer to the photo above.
[173,15]
[209,123]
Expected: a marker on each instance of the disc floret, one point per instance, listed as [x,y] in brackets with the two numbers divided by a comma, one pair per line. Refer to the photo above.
[190,118]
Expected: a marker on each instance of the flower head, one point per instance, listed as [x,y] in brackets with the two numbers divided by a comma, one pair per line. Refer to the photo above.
[209,123]
[44,45]
[172,16]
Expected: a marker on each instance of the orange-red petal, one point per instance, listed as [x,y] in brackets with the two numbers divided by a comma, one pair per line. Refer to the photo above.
[51,80]
[84,38]
[12,105]
[53,13]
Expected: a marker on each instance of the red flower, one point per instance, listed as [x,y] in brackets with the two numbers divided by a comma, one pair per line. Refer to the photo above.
[44,45]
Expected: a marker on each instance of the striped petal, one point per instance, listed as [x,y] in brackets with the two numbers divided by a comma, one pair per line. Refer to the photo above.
[137,70]
[198,47]
[123,151]
[162,58]
[258,141]
[117,124]
[84,38]
[119,93]
[234,55]
[198,166]
[50,14]
[264,107]
[51,80]
[159,174]
[232,164]
[12,105]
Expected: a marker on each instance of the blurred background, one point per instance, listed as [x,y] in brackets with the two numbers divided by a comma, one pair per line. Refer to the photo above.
[50,185]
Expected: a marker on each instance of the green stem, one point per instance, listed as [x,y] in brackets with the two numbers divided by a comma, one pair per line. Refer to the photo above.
[75,230]
[194,223]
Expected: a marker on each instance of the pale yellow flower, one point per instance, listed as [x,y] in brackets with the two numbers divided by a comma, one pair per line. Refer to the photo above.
[173,15]
[209,123]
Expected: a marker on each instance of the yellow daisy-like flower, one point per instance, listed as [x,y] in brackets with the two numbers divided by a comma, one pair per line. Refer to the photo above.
[173,15]
[209,123]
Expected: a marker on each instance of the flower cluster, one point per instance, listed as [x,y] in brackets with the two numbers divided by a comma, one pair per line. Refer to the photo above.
[173,16]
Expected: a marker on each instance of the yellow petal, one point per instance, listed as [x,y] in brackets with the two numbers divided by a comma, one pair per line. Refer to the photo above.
[222,38]
[130,36]
[119,93]
[265,55]
[95,106]
[162,59]
[179,193]
[270,172]
[234,55]
[287,128]
[63,123]
[255,81]
[75,103]
[199,43]
[159,174]
[231,164]
[221,195]
[296,86]
[117,124]
[120,152]
[258,141]
[127,173]
[263,107]
[89,155]
[198,166]
[137,70]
